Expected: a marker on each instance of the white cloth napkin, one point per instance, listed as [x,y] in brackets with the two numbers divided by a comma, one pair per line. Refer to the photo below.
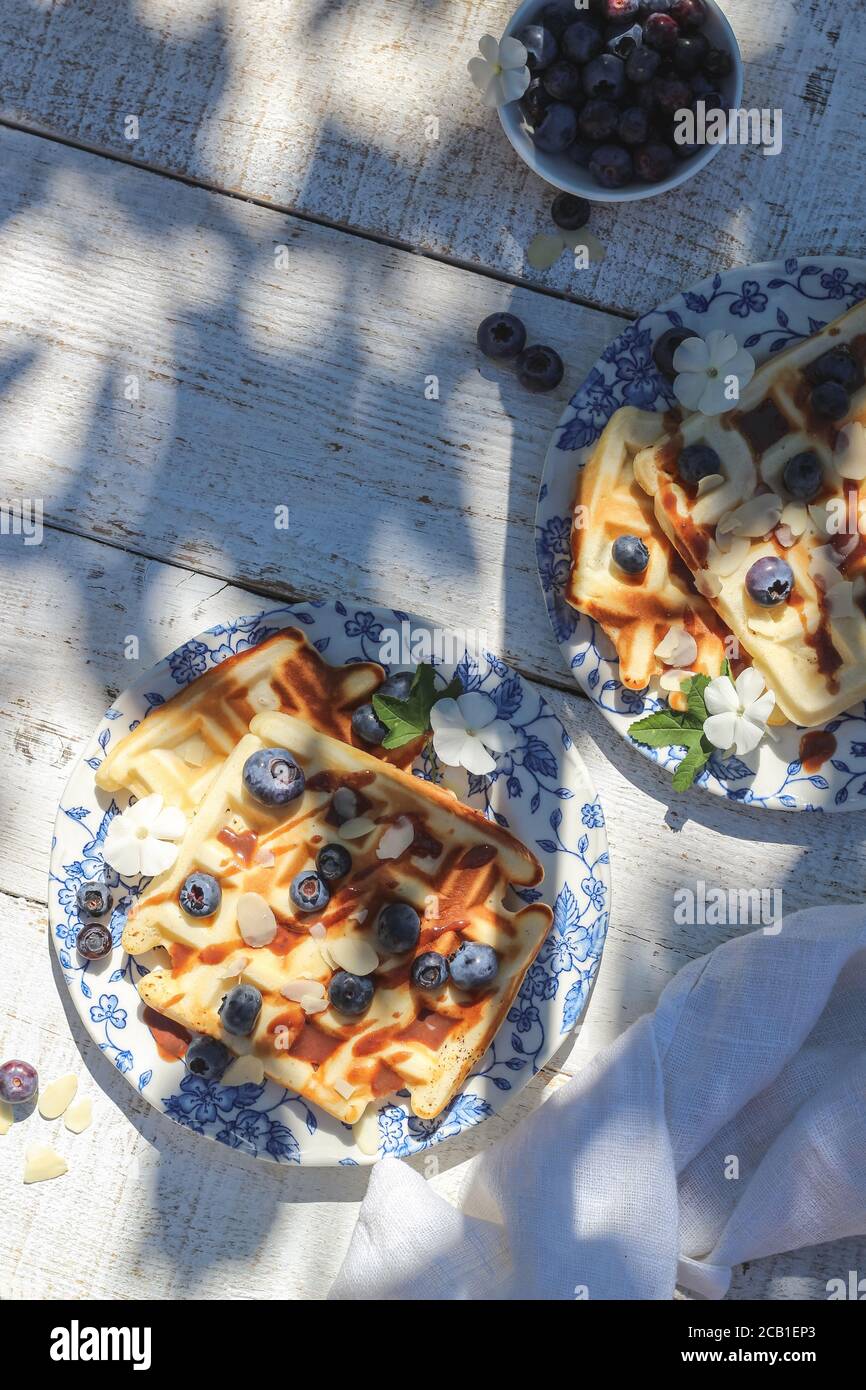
[728,1125]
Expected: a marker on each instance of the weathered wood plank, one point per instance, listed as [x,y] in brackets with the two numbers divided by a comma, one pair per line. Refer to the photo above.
[260,385]
[322,107]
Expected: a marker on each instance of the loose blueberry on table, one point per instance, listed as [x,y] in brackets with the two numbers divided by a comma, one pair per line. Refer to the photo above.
[19,1082]
[94,942]
[616,76]
[93,898]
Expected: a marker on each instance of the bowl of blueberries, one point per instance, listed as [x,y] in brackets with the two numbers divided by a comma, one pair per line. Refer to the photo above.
[607,79]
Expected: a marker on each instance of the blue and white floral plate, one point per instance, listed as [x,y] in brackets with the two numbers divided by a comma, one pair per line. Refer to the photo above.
[540,791]
[766,308]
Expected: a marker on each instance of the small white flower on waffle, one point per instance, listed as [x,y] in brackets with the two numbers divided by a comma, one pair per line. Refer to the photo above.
[499,70]
[738,711]
[142,839]
[465,731]
[677,647]
[704,367]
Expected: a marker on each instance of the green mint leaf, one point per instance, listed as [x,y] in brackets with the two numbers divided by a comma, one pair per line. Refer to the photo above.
[666,728]
[693,689]
[691,765]
[726,669]
[409,719]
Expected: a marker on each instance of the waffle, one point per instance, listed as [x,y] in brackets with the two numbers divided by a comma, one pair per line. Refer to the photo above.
[811,650]
[635,611]
[178,748]
[458,866]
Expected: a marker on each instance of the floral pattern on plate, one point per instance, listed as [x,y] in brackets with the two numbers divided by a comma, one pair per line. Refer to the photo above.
[766,308]
[539,789]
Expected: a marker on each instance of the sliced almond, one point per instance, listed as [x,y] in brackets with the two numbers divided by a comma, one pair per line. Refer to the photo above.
[796,517]
[233,965]
[677,647]
[365,1131]
[244,1071]
[819,515]
[256,922]
[344,1088]
[396,839]
[7,1117]
[263,695]
[360,915]
[264,858]
[357,828]
[824,562]
[79,1116]
[756,517]
[708,584]
[314,1004]
[840,601]
[849,456]
[55,1097]
[710,483]
[325,953]
[318,931]
[194,751]
[42,1163]
[543,250]
[672,680]
[778,623]
[784,535]
[724,560]
[300,989]
[354,954]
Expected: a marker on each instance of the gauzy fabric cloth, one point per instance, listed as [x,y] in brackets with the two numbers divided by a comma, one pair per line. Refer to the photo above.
[727,1125]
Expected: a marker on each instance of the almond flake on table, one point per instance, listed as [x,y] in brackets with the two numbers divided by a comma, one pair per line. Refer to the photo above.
[256,921]
[56,1096]
[247,1070]
[42,1163]
[396,839]
[79,1115]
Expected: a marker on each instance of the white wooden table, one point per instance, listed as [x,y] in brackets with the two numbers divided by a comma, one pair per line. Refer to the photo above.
[238,308]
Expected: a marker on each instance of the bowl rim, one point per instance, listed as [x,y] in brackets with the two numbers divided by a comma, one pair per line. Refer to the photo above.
[535,159]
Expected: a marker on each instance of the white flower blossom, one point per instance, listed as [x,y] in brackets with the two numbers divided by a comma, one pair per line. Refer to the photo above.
[738,711]
[466,729]
[704,367]
[141,839]
[499,70]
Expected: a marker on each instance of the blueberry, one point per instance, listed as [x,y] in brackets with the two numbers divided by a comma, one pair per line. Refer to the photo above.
[207,1057]
[556,129]
[770,581]
[570,213]
[605,77]
[240,1009]
[309,891]
[619,10]
[93,898]
[557,17]
[666,346]
[836,365]
[598,119]
[499,336]
[94,941]
[398,685]
[689,53]
[622,45]
[562,80]
[689,14]
[642,65]
[653,162]
[655,6]
[701,86]
[473,965]
[333,862]
[429,970]
[398,927]
[803,476]
[633,127]
[630,554]
[539,368]
[672,94]
[540,45]
[365,724]
[535,101]
[697,461]
[200,895]
[19,1082]
[611,166]
[582,40]
[717,63]
[272,777]
[581,152]
[350,994]
[661,32]
[830,400]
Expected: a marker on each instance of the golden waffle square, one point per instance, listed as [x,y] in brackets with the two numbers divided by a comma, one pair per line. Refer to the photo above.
[810,650]
[177,749]
[456,866]
[635,611]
